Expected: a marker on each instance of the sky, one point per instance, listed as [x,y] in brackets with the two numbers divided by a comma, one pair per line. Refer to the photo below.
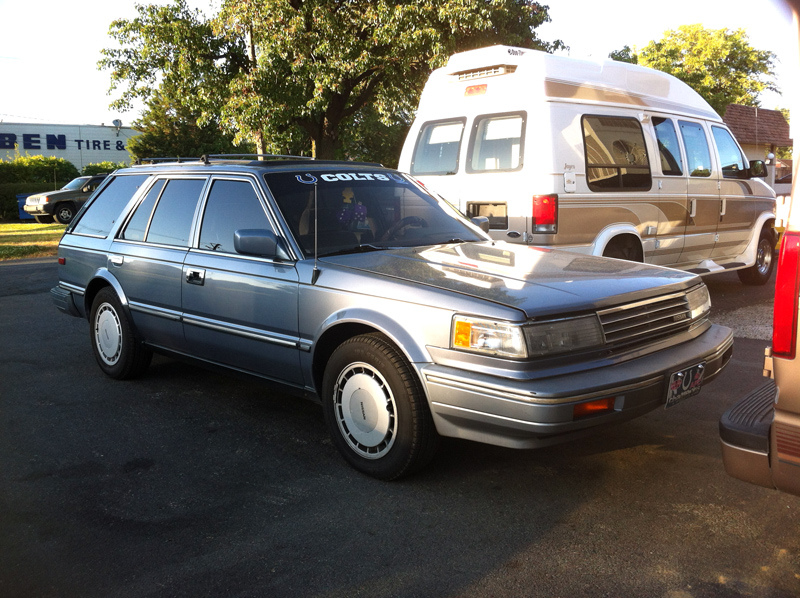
[49,48]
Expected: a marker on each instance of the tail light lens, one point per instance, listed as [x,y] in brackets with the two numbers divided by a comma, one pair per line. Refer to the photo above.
[784,324]
[545,213]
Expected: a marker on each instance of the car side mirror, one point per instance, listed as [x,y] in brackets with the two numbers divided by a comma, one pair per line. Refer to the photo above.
[482,222]
[758,169]
[263,243]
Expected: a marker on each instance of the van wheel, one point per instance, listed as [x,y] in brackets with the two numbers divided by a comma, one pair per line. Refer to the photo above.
[118,352]
[375,409]
[44,219]
[624,248]
[64,212]
[759,273]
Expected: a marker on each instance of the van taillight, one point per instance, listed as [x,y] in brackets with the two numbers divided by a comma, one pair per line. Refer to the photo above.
[784,323]
[545,213]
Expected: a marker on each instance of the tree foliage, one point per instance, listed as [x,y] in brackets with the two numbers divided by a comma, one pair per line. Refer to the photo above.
[102,167]
[36,169]
[719,64]
[170,128]
[307,74]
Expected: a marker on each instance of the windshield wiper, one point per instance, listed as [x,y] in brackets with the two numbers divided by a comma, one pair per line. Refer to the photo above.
[363,248]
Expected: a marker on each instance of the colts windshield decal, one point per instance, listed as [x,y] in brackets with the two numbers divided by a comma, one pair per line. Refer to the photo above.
[308,179]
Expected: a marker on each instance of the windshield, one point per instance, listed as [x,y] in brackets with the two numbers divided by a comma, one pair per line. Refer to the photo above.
[364,208]
[76,183]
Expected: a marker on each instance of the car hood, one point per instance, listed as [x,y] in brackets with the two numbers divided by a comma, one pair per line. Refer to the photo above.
[538,281]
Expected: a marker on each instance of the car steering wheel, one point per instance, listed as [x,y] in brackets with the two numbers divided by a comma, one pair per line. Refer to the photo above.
[401,224]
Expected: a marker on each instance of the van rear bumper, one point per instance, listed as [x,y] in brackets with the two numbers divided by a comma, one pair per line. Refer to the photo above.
[744,434]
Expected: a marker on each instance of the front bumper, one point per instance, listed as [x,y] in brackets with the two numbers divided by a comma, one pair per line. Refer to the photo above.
[535,413]
[44,209]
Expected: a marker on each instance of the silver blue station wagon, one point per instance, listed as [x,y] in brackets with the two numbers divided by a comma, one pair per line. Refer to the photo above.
[355,286]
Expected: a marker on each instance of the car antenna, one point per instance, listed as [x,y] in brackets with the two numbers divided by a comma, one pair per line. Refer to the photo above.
[316,272]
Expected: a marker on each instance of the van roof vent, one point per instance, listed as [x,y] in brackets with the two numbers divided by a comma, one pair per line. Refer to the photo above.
[491,71]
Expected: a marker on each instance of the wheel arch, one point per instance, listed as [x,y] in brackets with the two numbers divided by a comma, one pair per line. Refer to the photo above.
[339,331]
[102,279]
[616,233]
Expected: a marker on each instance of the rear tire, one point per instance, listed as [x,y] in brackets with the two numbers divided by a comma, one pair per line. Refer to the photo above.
[759,273]
[64,212]
[117,350]
[375,409]
[624,248]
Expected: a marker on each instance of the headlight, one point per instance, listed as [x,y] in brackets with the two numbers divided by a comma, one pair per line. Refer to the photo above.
[563,336]
[699,301]
[488,336]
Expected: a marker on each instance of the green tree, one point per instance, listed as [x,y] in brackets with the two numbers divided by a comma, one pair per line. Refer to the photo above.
[170,128]
[299,73]
[719,64]
[626,54]
[102,167]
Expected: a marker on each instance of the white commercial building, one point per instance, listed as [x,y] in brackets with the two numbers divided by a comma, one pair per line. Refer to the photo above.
[80,144]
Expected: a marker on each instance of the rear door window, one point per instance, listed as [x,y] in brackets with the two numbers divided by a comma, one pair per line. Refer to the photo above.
[105,209]
[616,155]
[438,146]
[668,148]
[497,142]
[698,155]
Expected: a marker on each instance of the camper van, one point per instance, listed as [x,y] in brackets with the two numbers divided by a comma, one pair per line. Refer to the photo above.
[603,158]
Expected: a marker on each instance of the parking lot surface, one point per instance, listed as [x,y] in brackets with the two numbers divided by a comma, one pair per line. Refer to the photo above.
[193,483]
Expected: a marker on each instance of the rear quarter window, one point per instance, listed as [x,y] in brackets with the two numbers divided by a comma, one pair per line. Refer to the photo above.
[104,211]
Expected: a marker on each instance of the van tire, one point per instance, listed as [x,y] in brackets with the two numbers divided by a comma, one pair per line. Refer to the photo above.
[759,273]
[624,248]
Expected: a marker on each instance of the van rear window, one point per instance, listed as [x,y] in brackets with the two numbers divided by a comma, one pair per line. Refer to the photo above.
[616,155]
[438,147]
[497,142]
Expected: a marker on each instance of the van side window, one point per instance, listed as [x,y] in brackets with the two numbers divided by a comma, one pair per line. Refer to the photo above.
[730,156]
[668,147]
[616,156]
[172,219]
[438,147]
[496,143]
[697,152]
[231,205]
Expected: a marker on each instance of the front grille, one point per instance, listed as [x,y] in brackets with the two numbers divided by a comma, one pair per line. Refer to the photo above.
[645,321]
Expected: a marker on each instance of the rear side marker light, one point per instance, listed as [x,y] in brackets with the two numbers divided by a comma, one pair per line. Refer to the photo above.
[62,261]
[545,213]
[787,288]
[593,407]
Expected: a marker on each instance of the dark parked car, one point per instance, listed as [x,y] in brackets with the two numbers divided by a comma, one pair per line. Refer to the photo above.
[62,205]
[355,286]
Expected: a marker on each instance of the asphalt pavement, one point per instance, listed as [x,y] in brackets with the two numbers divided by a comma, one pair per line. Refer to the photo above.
[194,483]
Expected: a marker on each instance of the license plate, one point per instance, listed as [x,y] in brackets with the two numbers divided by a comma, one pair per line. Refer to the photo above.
[684,384]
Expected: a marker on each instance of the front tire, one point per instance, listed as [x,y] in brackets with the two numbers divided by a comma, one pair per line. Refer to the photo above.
[759,273]
[375,409]
[117,351]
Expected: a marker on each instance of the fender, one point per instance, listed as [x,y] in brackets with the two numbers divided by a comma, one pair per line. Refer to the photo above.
[102,274]
[383,323]
[604,237]
[749,254]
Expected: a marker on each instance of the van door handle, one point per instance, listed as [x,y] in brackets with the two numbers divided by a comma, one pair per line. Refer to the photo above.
[193,276]
[723,207]
[692,208]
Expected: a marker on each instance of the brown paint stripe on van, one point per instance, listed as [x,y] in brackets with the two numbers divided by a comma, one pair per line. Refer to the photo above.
[588,93]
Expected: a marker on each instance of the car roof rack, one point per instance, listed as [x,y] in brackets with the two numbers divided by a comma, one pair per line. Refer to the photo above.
[177,159]
[206,158]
